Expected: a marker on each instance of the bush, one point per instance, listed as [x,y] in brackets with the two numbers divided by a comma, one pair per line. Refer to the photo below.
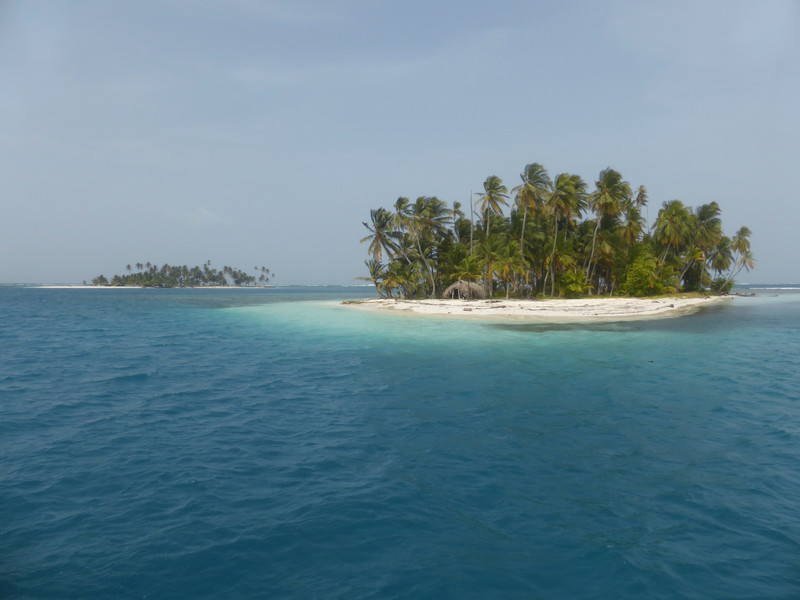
[721,285]
[642,279]
[573,284]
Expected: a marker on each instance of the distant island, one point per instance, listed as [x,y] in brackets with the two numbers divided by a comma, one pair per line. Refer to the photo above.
[170,276]
[546,248]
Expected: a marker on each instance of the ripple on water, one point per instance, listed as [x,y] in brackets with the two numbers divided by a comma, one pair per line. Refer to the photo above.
[168,446]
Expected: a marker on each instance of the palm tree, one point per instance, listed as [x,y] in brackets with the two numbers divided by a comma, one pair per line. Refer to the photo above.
[376,274]
[489,250]
[633,227]
[494,194]
[640,200]
[673,227]
[567,197]
[740,243]
[381,234]
[721,257]
[740,246]
[607,199]
[469,269]
[457,214]
[426,225]
[707,233]
[531,193]
[509,263]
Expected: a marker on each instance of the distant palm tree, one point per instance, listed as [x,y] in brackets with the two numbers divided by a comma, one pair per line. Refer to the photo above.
[427,223]
[494,194]
[567,197]
[640,200]
[470,268]
[633,227]
[740,246]
[489,250]
[673,227]
[376,275]
[381,232]
[607,199]
[509,263]
[531,193]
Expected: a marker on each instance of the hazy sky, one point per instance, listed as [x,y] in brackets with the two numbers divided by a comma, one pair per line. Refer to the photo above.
[261,132]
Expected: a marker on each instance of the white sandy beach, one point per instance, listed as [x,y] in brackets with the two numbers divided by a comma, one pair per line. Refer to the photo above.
[563,310]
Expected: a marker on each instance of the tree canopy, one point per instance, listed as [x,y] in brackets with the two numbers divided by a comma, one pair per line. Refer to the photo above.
[168,276]
[559,238]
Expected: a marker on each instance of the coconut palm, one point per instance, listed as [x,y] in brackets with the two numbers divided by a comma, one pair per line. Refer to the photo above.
[494,195]
[426,225]
[489,250]
[470,268]
[381,234]
[673,227]
[376,275]
[721,257]
[640,200]
[531,193]
[633,227]
[707,230]
[607,199]
[567,197]
[740,247]
[740,244]
[509,263]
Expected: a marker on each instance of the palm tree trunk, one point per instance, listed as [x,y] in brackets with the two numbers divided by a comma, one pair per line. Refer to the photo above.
[589,266]
[552,259]
[522,233]
[471,222]
[428,269]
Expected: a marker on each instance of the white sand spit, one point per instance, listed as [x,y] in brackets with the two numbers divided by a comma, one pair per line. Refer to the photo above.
[583,309]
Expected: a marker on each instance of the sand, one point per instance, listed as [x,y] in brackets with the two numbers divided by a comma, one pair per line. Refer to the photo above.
[578,310]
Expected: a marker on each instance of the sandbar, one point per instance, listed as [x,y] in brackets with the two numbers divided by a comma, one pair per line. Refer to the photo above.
[560,310]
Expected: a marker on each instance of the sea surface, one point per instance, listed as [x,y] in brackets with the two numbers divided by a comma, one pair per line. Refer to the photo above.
[275,444]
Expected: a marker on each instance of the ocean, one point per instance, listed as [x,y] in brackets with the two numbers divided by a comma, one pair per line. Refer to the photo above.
[276,444]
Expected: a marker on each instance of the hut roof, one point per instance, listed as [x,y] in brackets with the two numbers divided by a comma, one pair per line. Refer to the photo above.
[465,289]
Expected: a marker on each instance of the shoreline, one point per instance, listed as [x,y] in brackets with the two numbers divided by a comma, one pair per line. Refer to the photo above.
[555,310]
[143,287]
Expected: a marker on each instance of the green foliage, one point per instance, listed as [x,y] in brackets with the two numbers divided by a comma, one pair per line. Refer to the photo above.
[168,276]
[644,277]
[573,284]
[721,285]
[560,239]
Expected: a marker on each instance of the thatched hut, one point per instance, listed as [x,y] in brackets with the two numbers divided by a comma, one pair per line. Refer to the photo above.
[464,290]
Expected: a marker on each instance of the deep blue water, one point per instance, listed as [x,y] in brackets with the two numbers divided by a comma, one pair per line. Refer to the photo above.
[275,444]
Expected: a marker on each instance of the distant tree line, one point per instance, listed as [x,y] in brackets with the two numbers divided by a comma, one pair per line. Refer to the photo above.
[169,276]
[561,238]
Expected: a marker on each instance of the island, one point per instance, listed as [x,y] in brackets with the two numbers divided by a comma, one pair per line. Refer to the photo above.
[169,276]
[560,240]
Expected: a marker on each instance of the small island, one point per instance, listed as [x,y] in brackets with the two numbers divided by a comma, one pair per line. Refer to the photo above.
[561,239]
[170,276]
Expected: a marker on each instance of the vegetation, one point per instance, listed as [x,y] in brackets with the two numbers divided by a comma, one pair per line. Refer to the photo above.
[561,238]
[168,276]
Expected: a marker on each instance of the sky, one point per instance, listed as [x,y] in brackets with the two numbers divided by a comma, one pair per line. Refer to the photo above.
[251,132]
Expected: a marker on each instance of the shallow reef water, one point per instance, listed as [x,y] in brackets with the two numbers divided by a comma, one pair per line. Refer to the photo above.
[276,444]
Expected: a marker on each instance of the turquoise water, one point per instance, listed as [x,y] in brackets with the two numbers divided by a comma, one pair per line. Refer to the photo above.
[275,444]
